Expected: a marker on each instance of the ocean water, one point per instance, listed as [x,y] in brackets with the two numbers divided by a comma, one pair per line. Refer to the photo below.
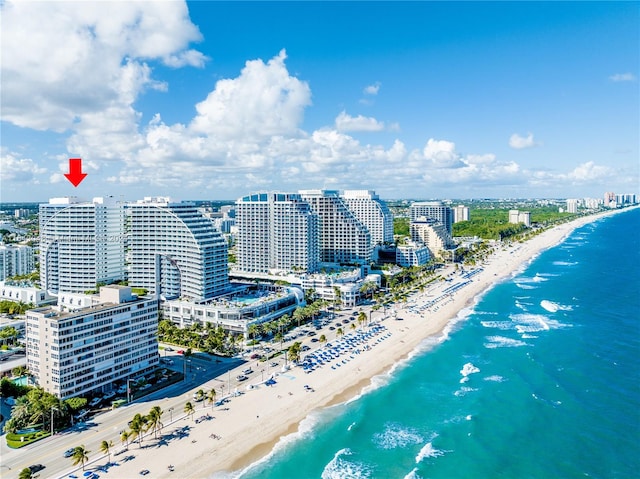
[540,379]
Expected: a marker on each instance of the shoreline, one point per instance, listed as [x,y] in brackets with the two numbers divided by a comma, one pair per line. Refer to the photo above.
[257,422]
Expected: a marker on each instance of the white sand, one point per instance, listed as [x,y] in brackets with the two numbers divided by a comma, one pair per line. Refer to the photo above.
[255,421]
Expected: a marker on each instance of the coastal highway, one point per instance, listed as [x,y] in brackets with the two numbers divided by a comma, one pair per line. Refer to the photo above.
[107,426]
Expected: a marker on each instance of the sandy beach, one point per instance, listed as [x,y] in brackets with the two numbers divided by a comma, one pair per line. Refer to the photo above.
[236,434]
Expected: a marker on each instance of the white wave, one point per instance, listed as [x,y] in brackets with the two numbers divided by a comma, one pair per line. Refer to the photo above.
[340,467]
[429,451]
[538,278]
[495,378]
[553,307]
[528,336]
[533,323]
[463,391]
[395,435]
[504,325]
[502,342]
[565,263]
[413,474]
[466,370]
[525,286]
[520,305]
[351,426]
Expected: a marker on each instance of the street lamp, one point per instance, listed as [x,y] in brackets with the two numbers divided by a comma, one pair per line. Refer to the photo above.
[171,412]
[128,391]
[52,408]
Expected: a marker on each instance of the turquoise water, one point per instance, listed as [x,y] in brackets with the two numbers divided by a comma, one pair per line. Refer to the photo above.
[538,380]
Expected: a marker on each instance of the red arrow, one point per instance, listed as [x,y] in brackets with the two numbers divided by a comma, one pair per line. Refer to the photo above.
[75,175]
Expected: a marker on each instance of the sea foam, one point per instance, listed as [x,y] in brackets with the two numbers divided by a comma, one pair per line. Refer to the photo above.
[395,435]
[466,370]
[502,342]
[340,467]
[429,451]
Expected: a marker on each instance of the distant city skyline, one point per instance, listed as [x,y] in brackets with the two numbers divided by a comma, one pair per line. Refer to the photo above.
[421,100]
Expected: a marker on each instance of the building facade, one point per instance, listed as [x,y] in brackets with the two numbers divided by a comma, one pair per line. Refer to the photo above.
[16,260]
[412,254]
[343,238]
[81,244]
[434,210]
[175,246]
[432,234]
[276,232]
[460,213]
[82,352]
[372,212]
[516,216]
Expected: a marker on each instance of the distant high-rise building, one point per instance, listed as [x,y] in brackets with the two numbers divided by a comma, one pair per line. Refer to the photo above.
[81,244]
[610,199]
[16,260]
[343,237]
[372,212]
[84,351]
[516,216]
[277,232]
[175,245]
[435,210]
[21,212]
[572,205]
[460,213]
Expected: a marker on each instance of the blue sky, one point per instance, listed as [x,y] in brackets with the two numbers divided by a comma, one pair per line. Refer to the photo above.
[213,100]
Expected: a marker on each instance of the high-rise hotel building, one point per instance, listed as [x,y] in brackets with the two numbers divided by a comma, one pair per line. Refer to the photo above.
[372,212]
[15,260]
[81,244]
[435,210]
[277,232]
[343,237]
[174,245]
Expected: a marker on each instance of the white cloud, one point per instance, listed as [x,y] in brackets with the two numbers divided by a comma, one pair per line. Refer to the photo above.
[441,153]
[78,58]
[345,122]
[14,169]
[589,172]
[372,89]
[263,101]
[521,142]
[622,77]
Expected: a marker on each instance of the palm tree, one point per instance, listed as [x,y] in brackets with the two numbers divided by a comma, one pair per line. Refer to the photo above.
[188,409]
[137,428]
[211,397]
[200,395]
[124,438]
[25,474]
[294,351]
[106,448]
[154,420]
[80,456]
[337,296]
[322,339]
[353,326]
[362,318]
[339,333]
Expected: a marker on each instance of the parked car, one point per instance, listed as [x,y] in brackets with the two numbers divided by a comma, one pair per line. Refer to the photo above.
[94,402]
[180,351]
[242,377]
[69,452]
[36,467]
[109,395]
[168,349]
[247,371]
[122,389]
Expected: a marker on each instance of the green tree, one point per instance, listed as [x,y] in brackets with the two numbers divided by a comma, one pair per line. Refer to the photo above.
[322,339]
[362,318]
[154,420]
[124,438]
[211,397]
[105,447]
[294,352]
[189,410]
[25,474]
[80,456]
[137,426]
[339,333]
